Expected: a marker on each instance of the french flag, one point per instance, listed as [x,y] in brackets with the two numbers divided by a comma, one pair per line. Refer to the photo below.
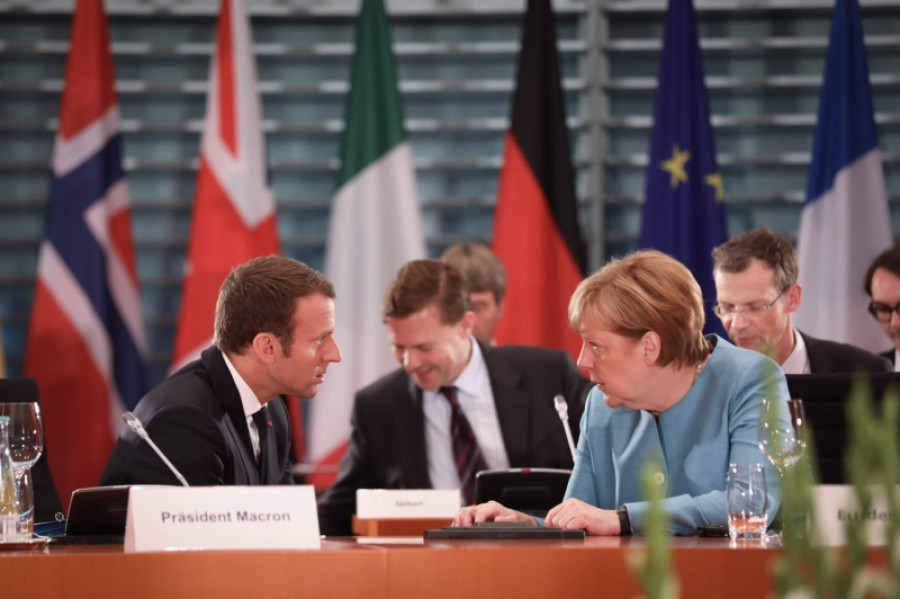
[845,221]
[86,346]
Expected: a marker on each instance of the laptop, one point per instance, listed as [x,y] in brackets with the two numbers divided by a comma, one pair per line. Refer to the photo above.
[825,399]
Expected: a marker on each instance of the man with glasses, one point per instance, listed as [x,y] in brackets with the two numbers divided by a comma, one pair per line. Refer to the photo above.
[882,284]
[757,293]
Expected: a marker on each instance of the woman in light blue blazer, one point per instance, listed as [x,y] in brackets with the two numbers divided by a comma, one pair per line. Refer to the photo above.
[663,390]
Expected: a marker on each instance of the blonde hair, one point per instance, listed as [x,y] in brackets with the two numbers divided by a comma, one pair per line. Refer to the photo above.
[646,291]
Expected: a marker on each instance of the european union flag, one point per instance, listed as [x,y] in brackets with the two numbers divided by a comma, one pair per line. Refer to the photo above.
[683,211]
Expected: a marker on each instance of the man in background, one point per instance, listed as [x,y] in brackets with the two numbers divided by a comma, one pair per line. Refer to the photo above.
[215,419]
[455,406]
[486,279]
[882,284]
[757,293]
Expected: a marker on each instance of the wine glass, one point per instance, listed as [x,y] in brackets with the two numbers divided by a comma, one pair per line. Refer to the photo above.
[26,444]
[783,443]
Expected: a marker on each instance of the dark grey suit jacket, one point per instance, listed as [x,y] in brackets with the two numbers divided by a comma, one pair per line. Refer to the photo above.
[890,355]
[831,357]
[387,444]
[197,419]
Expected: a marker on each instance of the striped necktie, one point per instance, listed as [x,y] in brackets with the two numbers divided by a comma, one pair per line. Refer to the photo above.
[465,447]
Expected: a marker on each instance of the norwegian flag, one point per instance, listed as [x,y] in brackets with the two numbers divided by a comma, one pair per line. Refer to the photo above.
[234,211]
[86,345]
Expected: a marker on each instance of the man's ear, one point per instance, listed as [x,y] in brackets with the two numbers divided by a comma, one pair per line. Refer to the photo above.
[793,297]
[266,347]
[467,323]
[650,345]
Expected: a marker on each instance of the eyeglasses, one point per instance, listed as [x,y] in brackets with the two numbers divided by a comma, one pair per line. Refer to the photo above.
[883,312]
[750,311]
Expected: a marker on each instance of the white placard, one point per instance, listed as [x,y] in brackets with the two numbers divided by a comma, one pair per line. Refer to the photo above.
[165,518]
[407,503]
[836,506]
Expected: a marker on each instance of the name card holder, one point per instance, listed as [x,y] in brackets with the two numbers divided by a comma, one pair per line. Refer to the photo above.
[835,506]
[407,503]
[165,518]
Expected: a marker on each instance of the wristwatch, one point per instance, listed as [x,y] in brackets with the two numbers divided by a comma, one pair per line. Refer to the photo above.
[624,521]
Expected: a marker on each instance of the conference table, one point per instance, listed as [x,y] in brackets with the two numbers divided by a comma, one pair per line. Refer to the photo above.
[389,567]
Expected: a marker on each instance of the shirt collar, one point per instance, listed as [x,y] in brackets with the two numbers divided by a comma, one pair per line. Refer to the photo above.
[471,378]
[798,361]
[248,397]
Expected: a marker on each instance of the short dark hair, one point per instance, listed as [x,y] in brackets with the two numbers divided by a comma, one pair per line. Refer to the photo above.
[423,282]
[261,295]
[481,267]
[889,260]
[763,244]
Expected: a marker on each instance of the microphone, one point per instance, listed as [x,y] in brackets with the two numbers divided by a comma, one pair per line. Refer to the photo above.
[134,424]
[562,408]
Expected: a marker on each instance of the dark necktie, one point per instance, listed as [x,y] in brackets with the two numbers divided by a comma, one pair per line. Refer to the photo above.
[261,420]
[465,447]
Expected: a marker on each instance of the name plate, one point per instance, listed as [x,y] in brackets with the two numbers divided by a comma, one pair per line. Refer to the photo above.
[407,503]
[836,506]
[166,518]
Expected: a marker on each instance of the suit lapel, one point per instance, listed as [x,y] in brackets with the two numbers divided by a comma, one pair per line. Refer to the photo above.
[512,407]
[225,389]
[410,430]
[819,362]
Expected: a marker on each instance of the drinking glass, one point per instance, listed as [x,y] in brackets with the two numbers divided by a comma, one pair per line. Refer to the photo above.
[782,443]
[746,495]
[26,444]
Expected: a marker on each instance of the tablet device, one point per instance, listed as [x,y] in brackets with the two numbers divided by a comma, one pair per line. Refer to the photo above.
[98,512]
[493,531]
[530,490]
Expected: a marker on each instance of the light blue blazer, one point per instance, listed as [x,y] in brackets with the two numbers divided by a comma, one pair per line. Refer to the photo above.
[713,425]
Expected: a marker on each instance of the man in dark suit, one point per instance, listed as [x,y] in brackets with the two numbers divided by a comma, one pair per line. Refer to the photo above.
[882,284]
[757,293]
[402,435]
[215,419]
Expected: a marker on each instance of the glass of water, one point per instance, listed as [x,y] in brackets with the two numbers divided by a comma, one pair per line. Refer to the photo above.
[26,444]
[746,490]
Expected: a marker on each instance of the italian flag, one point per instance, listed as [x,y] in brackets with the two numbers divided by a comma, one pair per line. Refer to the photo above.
[375,228]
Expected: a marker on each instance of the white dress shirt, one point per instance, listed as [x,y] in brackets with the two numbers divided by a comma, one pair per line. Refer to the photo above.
[798,361]
[250,402]
[476,399]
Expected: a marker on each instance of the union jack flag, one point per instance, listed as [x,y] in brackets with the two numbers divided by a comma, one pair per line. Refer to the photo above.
[234,211]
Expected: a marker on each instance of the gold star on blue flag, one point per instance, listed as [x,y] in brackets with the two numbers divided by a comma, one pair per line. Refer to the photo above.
[684,214]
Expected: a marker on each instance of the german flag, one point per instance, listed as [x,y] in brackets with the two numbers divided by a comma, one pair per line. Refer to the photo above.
[536,233]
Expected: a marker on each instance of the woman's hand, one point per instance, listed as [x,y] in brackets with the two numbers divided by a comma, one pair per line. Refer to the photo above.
[490,512]
[574,514]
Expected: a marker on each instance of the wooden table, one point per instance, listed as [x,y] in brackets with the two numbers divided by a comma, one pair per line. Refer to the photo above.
[598,567]
[340,569]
